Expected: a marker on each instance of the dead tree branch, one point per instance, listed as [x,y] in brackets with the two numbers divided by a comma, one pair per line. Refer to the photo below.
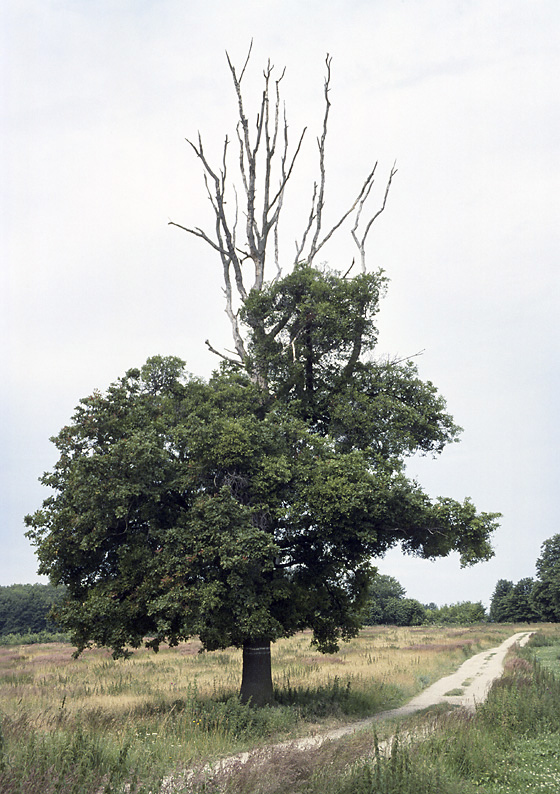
[361,242]
[315,220]
[265,164]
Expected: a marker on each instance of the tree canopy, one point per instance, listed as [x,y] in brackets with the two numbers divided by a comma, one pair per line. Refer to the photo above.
[514,603]
[462,613]
[247,507]
[546,592]
[501,603]
[529,599]
[387,604]
[185,507]
[25,608]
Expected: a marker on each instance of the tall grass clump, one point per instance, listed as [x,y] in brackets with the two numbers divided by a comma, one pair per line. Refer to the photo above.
[67,763]
[339,699]
[400,773]
[524,702]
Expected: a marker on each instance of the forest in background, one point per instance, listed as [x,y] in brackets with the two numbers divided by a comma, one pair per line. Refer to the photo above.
[25,608]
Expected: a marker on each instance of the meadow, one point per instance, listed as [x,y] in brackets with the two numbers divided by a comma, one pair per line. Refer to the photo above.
[94,724]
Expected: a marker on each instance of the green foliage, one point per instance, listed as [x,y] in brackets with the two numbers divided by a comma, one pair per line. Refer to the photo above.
[500,604]
[250,506]
[462,613]
[400,773]
[30,638]
[542,640]
[337,699]
[545,597]
[513,603]
[310,332]
[521,601]
[531,600]
[77,763]
[387,604]
[525,701]
[25,608]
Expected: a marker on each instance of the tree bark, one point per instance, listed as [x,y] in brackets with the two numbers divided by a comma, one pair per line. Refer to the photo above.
[256,683]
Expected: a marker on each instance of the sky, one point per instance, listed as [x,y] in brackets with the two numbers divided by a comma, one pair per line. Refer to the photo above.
[97,99]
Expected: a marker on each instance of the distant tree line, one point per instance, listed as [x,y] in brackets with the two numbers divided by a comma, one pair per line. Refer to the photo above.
[527,601]
[531,600]
[388,605]
[462,613]
[25,608]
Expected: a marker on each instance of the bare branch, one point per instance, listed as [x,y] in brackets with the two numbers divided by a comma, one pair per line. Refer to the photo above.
[315,220]
[199,233]
[327,237]
[277,238]
[321,143]
[290,169]
[280,195]
[246,152]
[225,237]
[393,362]
[301,246]
[379,211]
[361,243]
[246,61]
[266,165]
[221,355]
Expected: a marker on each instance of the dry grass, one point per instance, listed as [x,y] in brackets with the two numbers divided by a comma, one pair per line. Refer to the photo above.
[84,719]
[44,680]
[408,658]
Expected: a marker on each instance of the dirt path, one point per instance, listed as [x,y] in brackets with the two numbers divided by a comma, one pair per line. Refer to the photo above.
[474,678]
[470,685]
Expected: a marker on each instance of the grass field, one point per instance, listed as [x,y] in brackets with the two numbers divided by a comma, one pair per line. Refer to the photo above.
[93,724]
[510,744]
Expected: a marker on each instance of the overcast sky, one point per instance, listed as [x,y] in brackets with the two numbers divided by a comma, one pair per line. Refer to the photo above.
[97,98]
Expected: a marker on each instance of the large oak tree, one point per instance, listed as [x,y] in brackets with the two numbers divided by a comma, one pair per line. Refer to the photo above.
[248,507]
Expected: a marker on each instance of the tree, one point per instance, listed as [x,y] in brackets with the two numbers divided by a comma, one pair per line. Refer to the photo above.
[521,602]
[382,589]
[545,596]
[387,604]
[404,612]
[248,507]
[500,604]
[513,603]
[24,608]
[462,613]
[179,508]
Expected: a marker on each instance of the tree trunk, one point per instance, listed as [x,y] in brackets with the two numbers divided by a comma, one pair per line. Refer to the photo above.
[256,683]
